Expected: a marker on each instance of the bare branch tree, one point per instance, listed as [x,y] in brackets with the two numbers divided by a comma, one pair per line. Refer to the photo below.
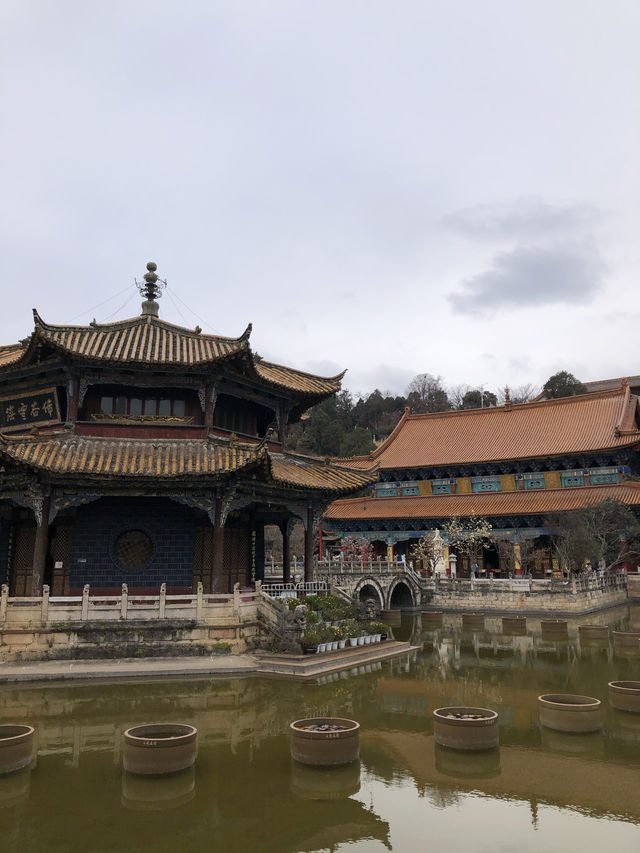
[468,536]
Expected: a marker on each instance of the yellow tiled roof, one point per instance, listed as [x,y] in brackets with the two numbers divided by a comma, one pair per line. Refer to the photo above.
[140,340]
[534,502]
[314,474]
[126,458]
[581,424]
[287,377]
[11,353]
[147,340]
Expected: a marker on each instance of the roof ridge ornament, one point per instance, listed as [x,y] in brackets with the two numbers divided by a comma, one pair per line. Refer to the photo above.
[151,288]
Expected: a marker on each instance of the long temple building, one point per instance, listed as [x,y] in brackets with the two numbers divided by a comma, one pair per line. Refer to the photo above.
[516,465]
[142,452]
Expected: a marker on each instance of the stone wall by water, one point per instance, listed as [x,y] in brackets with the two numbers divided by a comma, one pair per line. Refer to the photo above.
[499,601]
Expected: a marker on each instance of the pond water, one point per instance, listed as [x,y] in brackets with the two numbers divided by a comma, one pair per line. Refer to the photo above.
[541,791]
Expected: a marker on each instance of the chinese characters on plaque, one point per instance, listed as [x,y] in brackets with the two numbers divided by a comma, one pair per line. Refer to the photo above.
[41,407]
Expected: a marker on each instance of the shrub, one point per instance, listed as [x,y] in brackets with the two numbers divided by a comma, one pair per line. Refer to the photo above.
[311,638]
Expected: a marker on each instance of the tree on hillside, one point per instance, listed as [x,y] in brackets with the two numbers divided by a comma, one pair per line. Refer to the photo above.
[358,442]
[379,412]
[519,394]
[479,399]
[426,394]
[456,395]
[563,384]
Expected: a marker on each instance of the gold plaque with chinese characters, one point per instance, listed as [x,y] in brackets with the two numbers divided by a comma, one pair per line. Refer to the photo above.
[39,407]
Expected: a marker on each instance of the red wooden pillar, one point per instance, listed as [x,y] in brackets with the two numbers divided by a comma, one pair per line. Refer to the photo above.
[308,546]
[41,548]
[217,562]
[73,390]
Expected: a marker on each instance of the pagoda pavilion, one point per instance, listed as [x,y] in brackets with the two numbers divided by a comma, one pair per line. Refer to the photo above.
[515,465]
[147,453]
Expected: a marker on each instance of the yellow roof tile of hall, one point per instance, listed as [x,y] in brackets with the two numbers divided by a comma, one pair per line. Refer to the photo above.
[147,340]
[10,354]
[533,502]
[288,377]
[67,454]
[307,472]
[589,422]
[141,340]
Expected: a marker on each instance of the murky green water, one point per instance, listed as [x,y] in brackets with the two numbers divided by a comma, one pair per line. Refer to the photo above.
[542,792]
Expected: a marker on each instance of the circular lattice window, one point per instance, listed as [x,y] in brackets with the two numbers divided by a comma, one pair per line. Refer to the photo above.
[133,549]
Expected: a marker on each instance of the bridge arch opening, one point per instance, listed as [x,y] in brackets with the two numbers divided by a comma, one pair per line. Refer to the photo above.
[401,596]
[369,595]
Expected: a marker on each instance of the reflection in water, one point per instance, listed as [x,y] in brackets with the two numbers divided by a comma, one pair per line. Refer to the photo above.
[467,765]
[322,783]
[155,793]
[590,745]
[246,794]
[14,788]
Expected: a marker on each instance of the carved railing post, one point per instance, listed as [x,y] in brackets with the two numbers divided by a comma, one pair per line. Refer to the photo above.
[85,602]
[45,603]
[236,598]
[124,601]
[163,599]
[199,600]
[4,601]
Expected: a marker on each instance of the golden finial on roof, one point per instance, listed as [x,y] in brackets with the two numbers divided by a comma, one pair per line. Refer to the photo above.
[151,288]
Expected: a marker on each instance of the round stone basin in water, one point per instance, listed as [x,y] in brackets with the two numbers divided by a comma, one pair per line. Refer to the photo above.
[514,625]
[391,617]
[567,712]
[466,728]
[431,618]
[325,783]
[554,627]
[16,747]
[325,741]
[159,748]
[473,621]
[625,696]
[158,793]
[593,632]
[626,638]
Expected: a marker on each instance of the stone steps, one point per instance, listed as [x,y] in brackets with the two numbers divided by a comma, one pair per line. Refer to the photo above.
[309,666]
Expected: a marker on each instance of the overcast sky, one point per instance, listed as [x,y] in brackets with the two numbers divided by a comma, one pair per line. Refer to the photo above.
[396,187]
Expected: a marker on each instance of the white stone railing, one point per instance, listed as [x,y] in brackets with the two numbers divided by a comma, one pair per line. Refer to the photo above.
[587,582]
[295,590]
[361,567]
[199,607]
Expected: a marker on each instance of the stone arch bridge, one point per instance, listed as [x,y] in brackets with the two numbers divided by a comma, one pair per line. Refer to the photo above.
[382,584]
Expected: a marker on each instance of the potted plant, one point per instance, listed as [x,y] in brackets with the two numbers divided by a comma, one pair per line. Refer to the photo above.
[335,635]
[351,629]
[311,639]
[377,629]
